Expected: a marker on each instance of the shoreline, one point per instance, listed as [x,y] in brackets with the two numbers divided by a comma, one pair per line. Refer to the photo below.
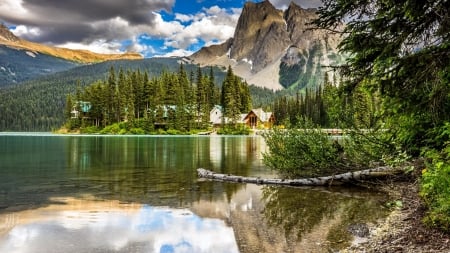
[403,230]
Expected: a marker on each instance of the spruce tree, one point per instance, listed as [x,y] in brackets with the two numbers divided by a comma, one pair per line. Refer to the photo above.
[111,95]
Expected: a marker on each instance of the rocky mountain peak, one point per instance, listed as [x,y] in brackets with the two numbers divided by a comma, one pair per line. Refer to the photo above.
[274,48]
[260,29]
[7,35]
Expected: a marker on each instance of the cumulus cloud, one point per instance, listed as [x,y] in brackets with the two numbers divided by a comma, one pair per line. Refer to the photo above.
[213,25]
[100,46]
[87,25]
[176,53]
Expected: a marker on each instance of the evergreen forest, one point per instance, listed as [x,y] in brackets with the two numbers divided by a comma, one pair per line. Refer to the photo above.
[38,104]
[174,102]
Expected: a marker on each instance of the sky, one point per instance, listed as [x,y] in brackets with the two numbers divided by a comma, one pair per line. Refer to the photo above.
[149,27]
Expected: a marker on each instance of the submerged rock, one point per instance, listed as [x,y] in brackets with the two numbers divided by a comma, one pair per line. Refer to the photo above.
[359,229]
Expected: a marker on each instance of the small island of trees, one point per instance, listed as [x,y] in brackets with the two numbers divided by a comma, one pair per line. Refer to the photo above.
[130,102]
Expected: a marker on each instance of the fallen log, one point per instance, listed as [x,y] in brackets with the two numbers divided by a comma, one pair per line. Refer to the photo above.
[348,177]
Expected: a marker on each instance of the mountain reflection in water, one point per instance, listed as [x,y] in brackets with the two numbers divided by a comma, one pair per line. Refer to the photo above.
[141,194]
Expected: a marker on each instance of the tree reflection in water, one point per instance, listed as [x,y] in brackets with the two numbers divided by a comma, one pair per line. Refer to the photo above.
[319,216]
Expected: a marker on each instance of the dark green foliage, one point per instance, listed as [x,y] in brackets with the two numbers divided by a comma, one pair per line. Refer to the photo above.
[401,50]
[262,97]
[130,103]
[235,96]
[38,105]
[310,105]
[304,151]
[328,106]
[234,130]
[435,185]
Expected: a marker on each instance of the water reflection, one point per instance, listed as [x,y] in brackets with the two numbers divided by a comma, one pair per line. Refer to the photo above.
[87,226]
[317,219]
[151,170]
[44,181]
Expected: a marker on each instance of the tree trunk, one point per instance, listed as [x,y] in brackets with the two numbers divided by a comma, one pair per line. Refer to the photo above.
[349,177]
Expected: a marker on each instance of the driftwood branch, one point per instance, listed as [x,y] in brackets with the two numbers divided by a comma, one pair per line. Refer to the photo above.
[349,177]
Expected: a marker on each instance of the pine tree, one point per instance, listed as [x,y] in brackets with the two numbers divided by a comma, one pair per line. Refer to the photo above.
[230,97]
[246,99]
[111,95]
[68,107]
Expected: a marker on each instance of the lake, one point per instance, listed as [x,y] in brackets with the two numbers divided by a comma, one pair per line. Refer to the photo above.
[64,193]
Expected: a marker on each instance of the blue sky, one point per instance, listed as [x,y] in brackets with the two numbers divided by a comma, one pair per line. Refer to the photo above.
[149,27]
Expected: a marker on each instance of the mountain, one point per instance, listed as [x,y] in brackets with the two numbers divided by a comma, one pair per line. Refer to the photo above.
[21,65]
[82,56]
[275,49]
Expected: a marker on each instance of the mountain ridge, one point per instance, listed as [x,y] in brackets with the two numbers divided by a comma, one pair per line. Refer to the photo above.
[275,49]
[7,38]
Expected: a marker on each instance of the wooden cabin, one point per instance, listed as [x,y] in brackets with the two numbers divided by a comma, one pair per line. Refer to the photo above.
[258,118]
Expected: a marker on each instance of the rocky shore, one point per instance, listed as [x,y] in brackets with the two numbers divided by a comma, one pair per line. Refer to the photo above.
[403,230]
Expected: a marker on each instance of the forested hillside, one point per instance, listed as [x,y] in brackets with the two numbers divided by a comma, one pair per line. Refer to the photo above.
[38,104]
[20,65]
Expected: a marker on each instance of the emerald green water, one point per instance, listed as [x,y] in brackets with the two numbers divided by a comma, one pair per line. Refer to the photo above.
[142,194]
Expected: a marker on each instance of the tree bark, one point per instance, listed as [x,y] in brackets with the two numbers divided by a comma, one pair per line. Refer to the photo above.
[349,177]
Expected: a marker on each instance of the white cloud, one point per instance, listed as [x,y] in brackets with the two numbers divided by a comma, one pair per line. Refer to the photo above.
[162,28]
[22,30]
[99,46]
[214,10]
[183,17]
[213,25]
[12,7]
[176,53]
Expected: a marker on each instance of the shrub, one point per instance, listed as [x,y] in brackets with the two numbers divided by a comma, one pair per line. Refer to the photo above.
[111,129]
[72,124]
[136,131]
[303,151]
[368,147]
[89,130]
[435,188]
[173,132]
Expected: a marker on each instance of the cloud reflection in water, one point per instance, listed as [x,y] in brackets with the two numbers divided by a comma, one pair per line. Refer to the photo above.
[146,229]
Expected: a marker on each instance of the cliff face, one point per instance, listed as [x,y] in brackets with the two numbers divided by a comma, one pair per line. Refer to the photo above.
[260,35]
[268,41]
